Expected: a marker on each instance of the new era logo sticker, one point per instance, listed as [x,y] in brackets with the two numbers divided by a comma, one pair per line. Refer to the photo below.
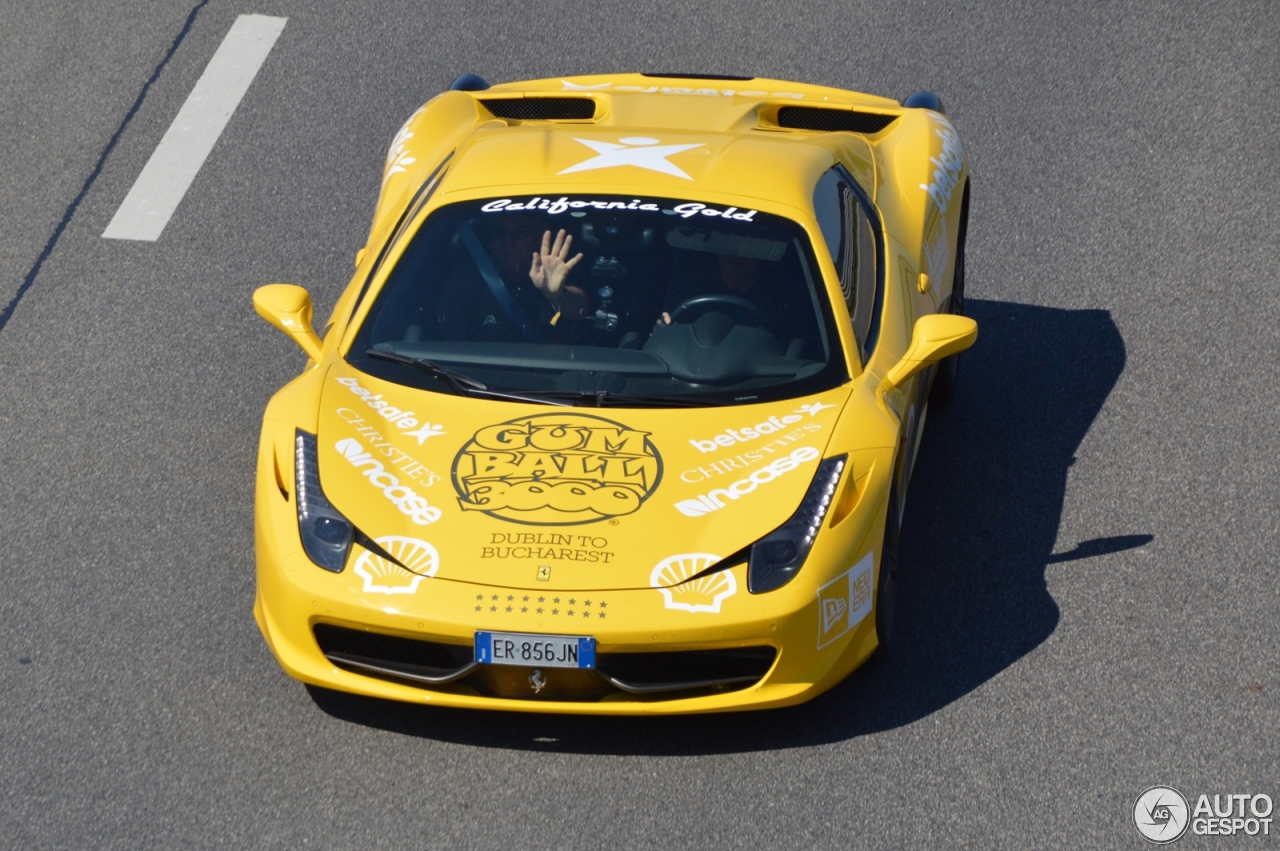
[845,601]
[832,612]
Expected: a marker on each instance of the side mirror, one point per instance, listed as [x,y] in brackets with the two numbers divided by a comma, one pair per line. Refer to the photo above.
[288,307]
[935,337]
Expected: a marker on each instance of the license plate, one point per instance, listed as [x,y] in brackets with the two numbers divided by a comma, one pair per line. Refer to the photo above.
[546,651]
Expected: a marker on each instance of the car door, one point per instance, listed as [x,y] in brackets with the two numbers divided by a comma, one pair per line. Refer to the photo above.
[851,228]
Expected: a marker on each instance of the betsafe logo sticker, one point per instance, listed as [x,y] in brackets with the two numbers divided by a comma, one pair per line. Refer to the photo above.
[744,434]
[946,173]
[556,470]
[390,413]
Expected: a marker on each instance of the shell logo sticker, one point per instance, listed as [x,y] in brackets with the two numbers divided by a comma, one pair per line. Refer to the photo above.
[705,594]
[386,577]
[556,470]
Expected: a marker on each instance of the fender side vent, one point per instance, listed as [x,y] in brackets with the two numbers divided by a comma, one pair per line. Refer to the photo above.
[832,120]
[541,109]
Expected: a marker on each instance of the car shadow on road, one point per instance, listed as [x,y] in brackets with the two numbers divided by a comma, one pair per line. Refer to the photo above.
[980,527]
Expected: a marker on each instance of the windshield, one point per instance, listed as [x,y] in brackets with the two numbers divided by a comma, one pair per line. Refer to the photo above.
[606,298]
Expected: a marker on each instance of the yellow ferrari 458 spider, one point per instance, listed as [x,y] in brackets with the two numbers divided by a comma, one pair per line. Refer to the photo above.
[618,413]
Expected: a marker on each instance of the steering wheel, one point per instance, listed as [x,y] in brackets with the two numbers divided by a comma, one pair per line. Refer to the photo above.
[732,302]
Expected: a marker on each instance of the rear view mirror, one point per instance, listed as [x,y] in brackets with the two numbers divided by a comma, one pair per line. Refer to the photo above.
[288,307]
[935,337]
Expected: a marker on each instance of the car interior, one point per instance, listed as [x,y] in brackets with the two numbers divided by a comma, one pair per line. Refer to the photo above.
[671,303]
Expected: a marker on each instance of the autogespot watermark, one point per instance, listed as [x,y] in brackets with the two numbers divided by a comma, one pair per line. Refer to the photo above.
[1162,815]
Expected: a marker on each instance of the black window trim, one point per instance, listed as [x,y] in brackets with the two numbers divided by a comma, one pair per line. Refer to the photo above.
[867,347]
[415,205]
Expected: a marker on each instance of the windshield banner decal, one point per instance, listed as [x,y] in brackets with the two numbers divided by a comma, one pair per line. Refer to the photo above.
[554,207]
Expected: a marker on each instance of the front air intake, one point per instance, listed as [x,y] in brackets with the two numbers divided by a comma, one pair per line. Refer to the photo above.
[663,675]
[832,120]
[541,109]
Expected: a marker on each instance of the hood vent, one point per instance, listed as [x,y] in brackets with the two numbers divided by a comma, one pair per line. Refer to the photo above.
[832,120]
[541,109]
[695,76]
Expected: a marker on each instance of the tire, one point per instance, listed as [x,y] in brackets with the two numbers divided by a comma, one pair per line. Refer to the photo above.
[924,100]
[887,585]
[469,83]
[944,383]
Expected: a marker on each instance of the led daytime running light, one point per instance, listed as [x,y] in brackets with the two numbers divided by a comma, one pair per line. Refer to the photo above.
[776,558]
[326,534]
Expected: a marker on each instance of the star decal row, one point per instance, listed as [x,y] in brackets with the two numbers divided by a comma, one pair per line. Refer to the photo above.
[573,601]
[540,604]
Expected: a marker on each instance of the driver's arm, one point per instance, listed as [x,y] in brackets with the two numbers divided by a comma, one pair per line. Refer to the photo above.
[678,292]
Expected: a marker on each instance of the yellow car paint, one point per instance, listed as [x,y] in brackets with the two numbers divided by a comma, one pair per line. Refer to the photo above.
[456,471]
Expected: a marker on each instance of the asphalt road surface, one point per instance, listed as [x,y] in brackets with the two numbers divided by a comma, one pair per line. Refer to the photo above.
[1091,585]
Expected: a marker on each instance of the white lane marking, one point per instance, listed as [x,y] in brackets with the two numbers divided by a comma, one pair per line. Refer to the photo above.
[186,145]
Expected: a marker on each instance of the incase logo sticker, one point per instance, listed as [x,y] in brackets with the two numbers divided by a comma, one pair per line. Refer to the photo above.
[402,497]
[556,469]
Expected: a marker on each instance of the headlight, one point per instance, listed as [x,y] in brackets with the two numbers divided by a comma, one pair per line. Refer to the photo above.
[326,534]
[776,558]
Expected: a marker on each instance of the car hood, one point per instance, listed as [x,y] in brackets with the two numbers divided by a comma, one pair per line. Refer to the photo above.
[525,495]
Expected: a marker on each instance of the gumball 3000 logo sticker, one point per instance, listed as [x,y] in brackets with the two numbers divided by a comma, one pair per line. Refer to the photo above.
[556,469]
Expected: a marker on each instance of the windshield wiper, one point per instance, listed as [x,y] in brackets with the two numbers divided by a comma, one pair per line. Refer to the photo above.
[463,385]
[609,399]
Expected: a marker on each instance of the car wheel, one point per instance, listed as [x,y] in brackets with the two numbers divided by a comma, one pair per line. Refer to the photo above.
[887,587]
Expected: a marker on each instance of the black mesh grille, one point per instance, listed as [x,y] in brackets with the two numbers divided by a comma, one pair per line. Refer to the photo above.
[389,649]
[832,120]
[687,665]
[542,109]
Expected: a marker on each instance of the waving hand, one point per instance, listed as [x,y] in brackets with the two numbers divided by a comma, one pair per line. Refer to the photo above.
[551,266]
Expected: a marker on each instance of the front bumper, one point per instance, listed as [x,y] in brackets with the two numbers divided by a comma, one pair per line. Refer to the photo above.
[294,597]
